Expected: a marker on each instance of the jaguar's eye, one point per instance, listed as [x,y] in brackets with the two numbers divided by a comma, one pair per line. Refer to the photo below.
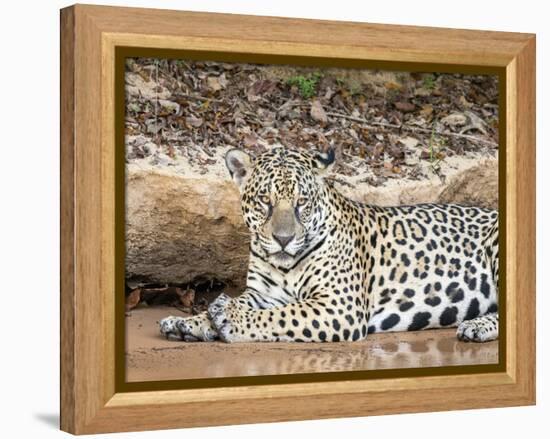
[301,201]
[265,199]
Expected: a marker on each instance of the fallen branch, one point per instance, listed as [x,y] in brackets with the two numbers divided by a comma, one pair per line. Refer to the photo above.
[372,124]
[197,98]
[176,96]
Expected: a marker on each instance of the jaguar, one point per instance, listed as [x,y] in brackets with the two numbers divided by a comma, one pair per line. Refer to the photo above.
[325,268]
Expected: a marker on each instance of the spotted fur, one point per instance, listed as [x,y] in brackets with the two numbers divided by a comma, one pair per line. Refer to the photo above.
[324,268]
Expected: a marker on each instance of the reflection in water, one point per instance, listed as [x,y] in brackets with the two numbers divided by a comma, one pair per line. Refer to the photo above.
[175,360]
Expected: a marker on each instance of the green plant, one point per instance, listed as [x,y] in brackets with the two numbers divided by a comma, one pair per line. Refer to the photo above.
[355,89]
[429,81]
[307,85]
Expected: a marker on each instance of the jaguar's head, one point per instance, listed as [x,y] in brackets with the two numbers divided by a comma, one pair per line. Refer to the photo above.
[283,200]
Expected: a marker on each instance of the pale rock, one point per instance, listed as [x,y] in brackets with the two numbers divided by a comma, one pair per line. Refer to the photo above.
[477,186]
[184,229]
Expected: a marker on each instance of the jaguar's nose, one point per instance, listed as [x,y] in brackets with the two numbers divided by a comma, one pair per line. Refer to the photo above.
[283,240]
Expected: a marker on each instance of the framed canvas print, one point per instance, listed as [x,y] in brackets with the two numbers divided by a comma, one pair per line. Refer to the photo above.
[258,211]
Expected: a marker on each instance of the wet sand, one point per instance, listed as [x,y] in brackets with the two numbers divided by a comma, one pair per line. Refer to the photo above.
[150,357]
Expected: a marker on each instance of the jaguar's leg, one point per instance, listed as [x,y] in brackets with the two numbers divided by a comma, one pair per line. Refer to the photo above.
[315,319]
[485,328]
[200,327]
[480,329]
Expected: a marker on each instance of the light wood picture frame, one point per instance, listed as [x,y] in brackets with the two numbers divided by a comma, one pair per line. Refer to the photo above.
[93,397]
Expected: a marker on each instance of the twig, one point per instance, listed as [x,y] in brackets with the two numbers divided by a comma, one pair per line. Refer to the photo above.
[371,124]
[157,140]
[175,96]
[197,98]
[340,181]
[291,104]
[364,121]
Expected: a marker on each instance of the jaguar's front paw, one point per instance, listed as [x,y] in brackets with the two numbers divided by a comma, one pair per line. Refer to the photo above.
[187,329]
[170,328]
[219,315]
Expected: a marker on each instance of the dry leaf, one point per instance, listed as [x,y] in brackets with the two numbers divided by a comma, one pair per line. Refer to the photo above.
[426,110]
[133,299]
[404,106]
[222,80]
[391,85]
[213,83]
[250,140]
[194,121]
[396,152]
[262,87]
[409,142]
[425,155]
[475,123]
[455,120]
[187,297]
[317,112]
[422,92]
[464,103]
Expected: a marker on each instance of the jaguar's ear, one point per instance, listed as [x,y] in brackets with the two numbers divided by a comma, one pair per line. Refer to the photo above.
[324,161]
[239,164]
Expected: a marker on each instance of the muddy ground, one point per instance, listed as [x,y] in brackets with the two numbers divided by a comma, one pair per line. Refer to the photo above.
[150,357]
